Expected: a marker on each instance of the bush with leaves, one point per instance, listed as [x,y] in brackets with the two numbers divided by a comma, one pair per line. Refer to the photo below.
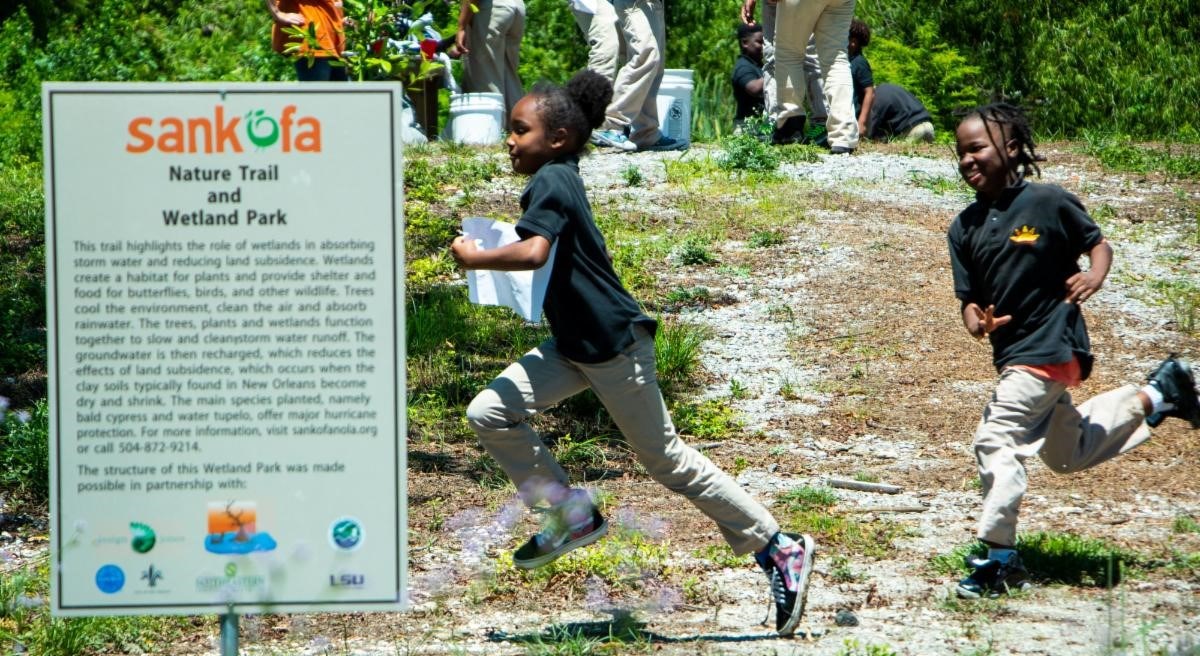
[25,451]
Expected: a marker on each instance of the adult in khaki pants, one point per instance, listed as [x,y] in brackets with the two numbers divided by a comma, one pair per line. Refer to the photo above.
[828,21]
[598,21]
[632,116]
[490,42]
[790,128]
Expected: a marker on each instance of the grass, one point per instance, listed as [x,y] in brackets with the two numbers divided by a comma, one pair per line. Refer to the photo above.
[677,352]
[1118,153]
[25,452]
[1185,524]
[632,175]
[695,251]
[811,510]
[622,561]
[852,647]
[767,238]
[27,627]
[1056,558]
[706,420]
[720,555]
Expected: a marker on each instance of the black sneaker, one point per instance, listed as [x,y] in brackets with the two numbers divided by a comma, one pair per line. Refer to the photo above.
[557,538]
[788,568]
[841,150]
[992,578]
[1174,379]
[792,131]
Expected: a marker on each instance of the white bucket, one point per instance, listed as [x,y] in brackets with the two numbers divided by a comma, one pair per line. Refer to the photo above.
[475,118]
[675,104]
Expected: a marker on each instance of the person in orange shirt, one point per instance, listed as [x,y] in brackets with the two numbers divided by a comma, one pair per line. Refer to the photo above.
[327,17]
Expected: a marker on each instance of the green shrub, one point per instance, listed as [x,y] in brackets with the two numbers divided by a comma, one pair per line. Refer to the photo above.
[22,269]
[744,152]
[695,251]
[25,452]
[930,69]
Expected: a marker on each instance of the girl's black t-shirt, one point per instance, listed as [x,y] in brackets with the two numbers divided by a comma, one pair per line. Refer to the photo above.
[591,314]
[1017,253]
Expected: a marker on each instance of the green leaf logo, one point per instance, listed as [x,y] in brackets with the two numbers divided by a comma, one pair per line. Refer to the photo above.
[262,130]
[230,570]
[143,537]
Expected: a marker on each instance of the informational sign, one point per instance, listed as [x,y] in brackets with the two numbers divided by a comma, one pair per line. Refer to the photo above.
[224,270]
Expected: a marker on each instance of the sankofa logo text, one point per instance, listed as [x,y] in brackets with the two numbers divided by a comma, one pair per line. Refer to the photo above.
[219,133]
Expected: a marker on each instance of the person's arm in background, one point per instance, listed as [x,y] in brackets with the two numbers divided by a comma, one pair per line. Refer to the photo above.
[748,12]
[868,100]
[466,13]
[283,17]
[754,87]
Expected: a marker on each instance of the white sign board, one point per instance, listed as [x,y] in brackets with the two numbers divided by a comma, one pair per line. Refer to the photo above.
[226,331]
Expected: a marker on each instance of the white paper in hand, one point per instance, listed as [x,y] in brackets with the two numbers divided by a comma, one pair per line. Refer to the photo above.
[523,291]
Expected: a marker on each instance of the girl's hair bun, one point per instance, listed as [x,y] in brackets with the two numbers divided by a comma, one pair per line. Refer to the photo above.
[592,92]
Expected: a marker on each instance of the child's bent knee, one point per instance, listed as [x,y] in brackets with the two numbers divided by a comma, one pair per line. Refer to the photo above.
[487,412]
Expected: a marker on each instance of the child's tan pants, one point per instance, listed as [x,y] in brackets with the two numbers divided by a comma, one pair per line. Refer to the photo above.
[627,385]
[1030,415]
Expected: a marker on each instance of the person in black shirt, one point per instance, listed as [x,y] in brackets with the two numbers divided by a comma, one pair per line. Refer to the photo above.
[1014,256]
[600,340]
[748,75]
[897,114]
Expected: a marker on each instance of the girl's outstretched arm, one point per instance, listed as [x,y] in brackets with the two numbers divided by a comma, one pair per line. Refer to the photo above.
[525,255]
[1083,285]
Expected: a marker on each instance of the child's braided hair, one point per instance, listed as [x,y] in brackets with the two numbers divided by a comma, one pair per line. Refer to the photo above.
[1014,124]
[577,107]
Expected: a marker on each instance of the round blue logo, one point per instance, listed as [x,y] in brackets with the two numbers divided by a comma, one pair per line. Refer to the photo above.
[346,533]
[110,579]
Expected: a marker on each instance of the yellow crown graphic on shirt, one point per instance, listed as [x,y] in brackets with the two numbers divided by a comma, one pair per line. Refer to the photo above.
[1024,235]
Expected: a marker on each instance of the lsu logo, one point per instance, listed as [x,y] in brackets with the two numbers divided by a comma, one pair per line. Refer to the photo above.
[1024,236]
[221,134]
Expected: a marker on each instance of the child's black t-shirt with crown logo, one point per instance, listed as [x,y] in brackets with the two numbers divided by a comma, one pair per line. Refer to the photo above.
[1017,253]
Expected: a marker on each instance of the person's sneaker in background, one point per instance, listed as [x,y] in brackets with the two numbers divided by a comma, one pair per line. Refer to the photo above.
[787,562]
[666,143]
[1173,378]
[792,131]
[612,139]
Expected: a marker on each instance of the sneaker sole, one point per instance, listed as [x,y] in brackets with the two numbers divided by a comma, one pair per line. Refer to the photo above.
[965,593]
[810,552]
[547,558]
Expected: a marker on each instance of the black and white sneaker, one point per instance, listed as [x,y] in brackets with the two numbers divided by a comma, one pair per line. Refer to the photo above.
[558,537]
[788,566]
[1174,379]
[992,578]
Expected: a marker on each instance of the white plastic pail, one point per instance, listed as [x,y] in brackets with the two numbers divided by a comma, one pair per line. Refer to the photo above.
[475,118]
[675,104]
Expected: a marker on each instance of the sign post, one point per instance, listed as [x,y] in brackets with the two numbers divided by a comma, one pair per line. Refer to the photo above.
[226,328]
